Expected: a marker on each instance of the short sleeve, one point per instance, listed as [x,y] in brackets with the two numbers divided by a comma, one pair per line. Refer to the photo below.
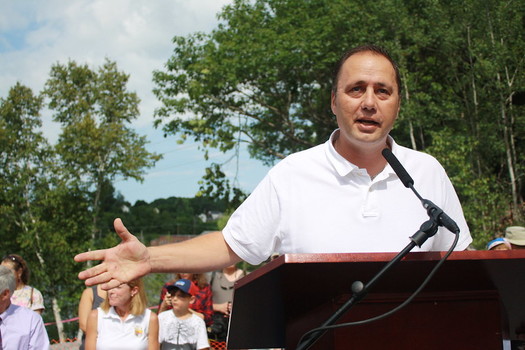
[38,300]
[252,230]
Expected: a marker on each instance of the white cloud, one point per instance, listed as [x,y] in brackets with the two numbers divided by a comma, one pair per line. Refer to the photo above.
[136,34]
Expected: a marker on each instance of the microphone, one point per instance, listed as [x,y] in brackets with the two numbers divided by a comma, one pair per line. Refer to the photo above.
[405,178]
[439,216]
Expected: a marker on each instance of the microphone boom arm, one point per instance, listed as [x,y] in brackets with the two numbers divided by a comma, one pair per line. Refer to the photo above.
[434,212]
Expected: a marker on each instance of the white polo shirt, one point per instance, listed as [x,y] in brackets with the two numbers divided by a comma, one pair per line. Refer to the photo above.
[113,333]
[315,201]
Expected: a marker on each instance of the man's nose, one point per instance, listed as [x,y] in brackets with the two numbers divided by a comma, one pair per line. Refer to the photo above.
[369,101]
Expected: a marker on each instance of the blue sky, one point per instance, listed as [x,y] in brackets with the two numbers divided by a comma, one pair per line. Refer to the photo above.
[136,34]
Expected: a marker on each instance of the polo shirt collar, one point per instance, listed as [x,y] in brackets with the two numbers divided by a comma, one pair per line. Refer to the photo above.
[340,164]
[112,313]
[343,167]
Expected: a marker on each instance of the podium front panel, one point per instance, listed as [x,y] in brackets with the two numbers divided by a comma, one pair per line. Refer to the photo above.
[474,297]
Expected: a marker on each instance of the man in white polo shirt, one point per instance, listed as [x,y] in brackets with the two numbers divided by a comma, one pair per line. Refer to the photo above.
[341,196]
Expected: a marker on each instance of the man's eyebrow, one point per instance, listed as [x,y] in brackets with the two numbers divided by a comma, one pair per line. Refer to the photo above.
[359,82]
[353,83]
[363,82]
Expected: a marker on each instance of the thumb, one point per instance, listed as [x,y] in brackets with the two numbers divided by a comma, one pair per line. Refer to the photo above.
[121,230]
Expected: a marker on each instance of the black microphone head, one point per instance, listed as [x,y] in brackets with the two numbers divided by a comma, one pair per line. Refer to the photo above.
[405,178]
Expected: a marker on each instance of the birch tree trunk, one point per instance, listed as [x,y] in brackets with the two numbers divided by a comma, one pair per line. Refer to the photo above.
[410,125]
[507,131]
[58,320]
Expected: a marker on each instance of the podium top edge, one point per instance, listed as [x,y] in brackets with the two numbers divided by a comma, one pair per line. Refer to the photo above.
[330,258]
[414,256]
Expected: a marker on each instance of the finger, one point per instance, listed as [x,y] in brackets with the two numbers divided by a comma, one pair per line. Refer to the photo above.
[93,255]
[121,230]
[104,277]
[111,284]
[105,281]
[93,272]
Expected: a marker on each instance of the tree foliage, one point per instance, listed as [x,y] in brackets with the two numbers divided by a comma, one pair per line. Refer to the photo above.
[263,78]
[40,217]
[163,216]
[97,143]
[52,194]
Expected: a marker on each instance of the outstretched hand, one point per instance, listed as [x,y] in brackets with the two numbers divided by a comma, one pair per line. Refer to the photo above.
[123,263]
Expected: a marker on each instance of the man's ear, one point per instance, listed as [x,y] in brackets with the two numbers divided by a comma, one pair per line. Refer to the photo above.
[332,102]
[192,299]
[5,294]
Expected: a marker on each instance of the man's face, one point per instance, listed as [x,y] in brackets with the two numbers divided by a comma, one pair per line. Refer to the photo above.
[367,101]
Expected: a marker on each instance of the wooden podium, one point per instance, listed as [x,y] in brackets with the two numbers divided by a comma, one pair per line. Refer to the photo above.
[475,301]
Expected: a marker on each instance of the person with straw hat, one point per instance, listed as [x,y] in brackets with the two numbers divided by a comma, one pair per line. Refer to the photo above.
[516,236]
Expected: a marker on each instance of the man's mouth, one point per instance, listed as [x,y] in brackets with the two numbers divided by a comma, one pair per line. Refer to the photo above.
[367,122]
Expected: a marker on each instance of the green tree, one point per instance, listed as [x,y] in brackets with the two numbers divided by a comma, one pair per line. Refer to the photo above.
[97,143]
[169,216]
[23,153]
[487,72]
[40,218]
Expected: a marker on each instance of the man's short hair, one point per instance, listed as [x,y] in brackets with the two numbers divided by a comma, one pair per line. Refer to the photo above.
[7,279]
[365,48]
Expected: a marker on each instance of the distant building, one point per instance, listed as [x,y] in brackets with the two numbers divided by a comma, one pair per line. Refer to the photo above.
[211,215]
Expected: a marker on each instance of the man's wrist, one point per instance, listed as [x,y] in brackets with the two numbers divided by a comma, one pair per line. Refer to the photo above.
[150,266]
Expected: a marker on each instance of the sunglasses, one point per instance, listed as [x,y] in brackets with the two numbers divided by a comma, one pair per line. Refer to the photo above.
[13,259]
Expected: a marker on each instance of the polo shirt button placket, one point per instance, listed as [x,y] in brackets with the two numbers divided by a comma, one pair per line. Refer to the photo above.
[370,209]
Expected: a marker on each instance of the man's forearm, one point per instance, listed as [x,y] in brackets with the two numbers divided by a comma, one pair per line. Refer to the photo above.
[208,252]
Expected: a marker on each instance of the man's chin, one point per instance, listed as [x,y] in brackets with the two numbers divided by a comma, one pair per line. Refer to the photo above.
[370,138]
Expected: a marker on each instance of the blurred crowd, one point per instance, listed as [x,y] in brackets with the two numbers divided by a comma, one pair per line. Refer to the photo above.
[193,309]
[513,238]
